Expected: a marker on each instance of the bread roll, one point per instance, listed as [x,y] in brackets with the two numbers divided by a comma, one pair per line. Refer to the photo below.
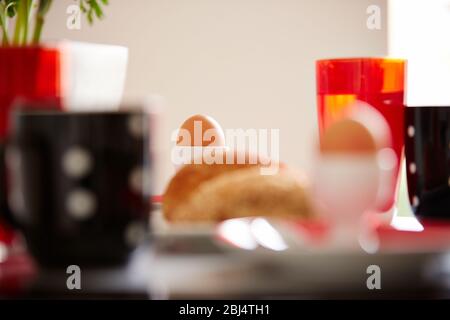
[245,193]
[202,192]
[189,177]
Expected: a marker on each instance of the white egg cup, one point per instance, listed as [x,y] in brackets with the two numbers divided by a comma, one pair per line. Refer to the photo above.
[346,187]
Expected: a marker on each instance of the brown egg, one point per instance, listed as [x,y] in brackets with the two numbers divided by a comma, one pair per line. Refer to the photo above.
[200,131]
[348,136]
[374,121]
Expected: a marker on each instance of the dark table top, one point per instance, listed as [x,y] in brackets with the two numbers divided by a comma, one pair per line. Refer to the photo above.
[21,277]
[191,267]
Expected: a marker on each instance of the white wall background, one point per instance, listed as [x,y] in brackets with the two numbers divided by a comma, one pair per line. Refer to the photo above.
[420,31]
[248,63]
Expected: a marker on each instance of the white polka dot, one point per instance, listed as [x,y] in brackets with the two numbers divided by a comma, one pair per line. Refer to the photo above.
[411,131]
[15,195]
[77,162]
[139,180]
[415,201]
[135,233]
[13,158]
[81,204]
[412,168]
[3,252]
[136,180]
[136,126]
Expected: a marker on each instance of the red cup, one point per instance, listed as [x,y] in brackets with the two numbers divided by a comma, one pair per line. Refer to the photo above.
[376,81]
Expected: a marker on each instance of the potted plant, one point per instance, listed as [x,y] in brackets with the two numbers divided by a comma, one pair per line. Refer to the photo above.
[70,75]
[64,75]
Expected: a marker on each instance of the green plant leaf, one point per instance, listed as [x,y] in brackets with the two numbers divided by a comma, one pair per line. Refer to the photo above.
[21,11]
[10,8]
[2,13]
[93,9]
[97,9]
[83,7]
[44,6]
[90,16]
[3,23]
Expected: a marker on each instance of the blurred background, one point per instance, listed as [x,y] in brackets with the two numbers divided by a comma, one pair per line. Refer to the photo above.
[250,63]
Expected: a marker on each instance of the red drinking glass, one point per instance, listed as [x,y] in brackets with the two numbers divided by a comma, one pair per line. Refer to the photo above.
[376,81]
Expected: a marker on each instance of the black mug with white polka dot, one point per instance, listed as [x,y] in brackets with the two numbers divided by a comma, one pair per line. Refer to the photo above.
[427,149]
[79,184]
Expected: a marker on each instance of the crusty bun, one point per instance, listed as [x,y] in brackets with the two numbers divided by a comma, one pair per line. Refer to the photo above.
[245,193]
[190,176]
[213,192]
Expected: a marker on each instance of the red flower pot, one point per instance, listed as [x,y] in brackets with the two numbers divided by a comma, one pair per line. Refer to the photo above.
[31,73]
